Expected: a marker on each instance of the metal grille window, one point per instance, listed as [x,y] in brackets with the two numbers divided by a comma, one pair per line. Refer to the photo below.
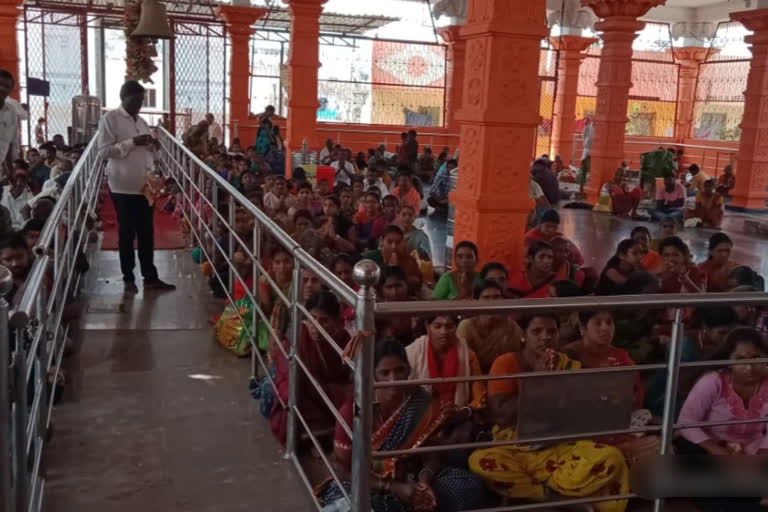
[719,105]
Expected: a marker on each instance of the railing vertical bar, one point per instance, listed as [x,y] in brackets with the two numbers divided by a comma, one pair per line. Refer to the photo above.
[20,422]
[5,393]
[670,391]
[293,392]
[366,275]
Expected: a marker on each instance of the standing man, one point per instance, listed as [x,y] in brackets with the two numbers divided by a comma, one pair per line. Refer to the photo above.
[9,125]
[125,140]
[412,150]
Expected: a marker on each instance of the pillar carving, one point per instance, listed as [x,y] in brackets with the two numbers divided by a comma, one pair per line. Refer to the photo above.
[498,119]
[9,50]
[303,65]
[571,55]
[751,190]
[618,27]
[239,21]
[689,58]
[457,50]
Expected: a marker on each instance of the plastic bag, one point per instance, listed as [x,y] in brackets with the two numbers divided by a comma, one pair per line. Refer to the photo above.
[234,329]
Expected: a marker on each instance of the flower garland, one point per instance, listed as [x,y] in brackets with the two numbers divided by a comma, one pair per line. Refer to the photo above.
[138,50]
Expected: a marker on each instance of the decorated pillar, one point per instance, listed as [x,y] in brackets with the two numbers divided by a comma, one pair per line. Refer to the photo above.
[9,49]
[571,53]
[239,20]
[689,58]
[618,27]
[498,119]
[457,50]
[303,66]
[751,190]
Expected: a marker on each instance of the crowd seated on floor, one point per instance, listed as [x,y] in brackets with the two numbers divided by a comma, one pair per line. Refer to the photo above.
[369,212]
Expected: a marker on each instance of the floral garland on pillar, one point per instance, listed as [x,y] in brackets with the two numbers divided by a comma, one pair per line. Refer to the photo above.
[138,50]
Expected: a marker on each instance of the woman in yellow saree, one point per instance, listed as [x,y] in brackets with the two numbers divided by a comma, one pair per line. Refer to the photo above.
[572,469]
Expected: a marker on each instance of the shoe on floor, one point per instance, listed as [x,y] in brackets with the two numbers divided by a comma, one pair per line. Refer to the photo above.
[158,285]
[130,287]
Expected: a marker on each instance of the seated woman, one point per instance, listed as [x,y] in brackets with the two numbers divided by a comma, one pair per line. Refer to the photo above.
[459,283]
[726,181]
[707,344]
[573,469]
[369,223]
[637,329]
[627,259]
[718,264]
[651,261]
[570,327]
[281,273]
[322,361]
[490,336]
[548,230]
[679,274]
[709,207]
[415,238]
[440,354]
[596,350]
[534,281]
[745,276]
[405,418]
[561,264]
[393,252]
[495,271]
[738,392]
[393,287]
[667,228]
[624,201]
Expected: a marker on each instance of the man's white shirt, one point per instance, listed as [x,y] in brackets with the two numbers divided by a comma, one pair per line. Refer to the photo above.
[128,163]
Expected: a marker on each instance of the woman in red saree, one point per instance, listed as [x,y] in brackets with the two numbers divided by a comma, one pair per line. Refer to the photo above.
[442,354]
[718,264]
[321,360]
[548,230]
[534,281]
[679,274]
[596,350]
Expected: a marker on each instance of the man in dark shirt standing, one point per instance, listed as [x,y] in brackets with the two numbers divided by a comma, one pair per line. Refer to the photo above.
[412,149]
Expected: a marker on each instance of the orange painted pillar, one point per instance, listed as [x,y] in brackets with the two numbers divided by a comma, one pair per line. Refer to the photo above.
[303,64]
[239,21]
[689,58]
[9,49]
[571,54]
[457,51]
[498,118]
[618,28]
[751,190]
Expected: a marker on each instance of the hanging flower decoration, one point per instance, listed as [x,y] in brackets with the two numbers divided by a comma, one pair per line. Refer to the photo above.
[138,50]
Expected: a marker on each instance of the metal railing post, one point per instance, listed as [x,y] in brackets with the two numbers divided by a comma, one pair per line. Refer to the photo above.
[21,482]
[231,217]
[670,391]
[256,250]
[293,390]
[6,499]
[366,274]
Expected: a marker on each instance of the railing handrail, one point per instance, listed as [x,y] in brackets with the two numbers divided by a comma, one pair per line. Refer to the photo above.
[568,305]
[325,276]
[681,145]
[58,209]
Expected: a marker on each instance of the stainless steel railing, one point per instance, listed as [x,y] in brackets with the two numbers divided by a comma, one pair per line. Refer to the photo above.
[200,188]
[33,336]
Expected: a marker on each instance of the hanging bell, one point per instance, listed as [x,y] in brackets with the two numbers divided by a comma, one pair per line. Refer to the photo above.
[153,22]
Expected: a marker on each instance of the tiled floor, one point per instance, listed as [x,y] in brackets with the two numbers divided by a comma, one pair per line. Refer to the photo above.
[598,234]
[137,432]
